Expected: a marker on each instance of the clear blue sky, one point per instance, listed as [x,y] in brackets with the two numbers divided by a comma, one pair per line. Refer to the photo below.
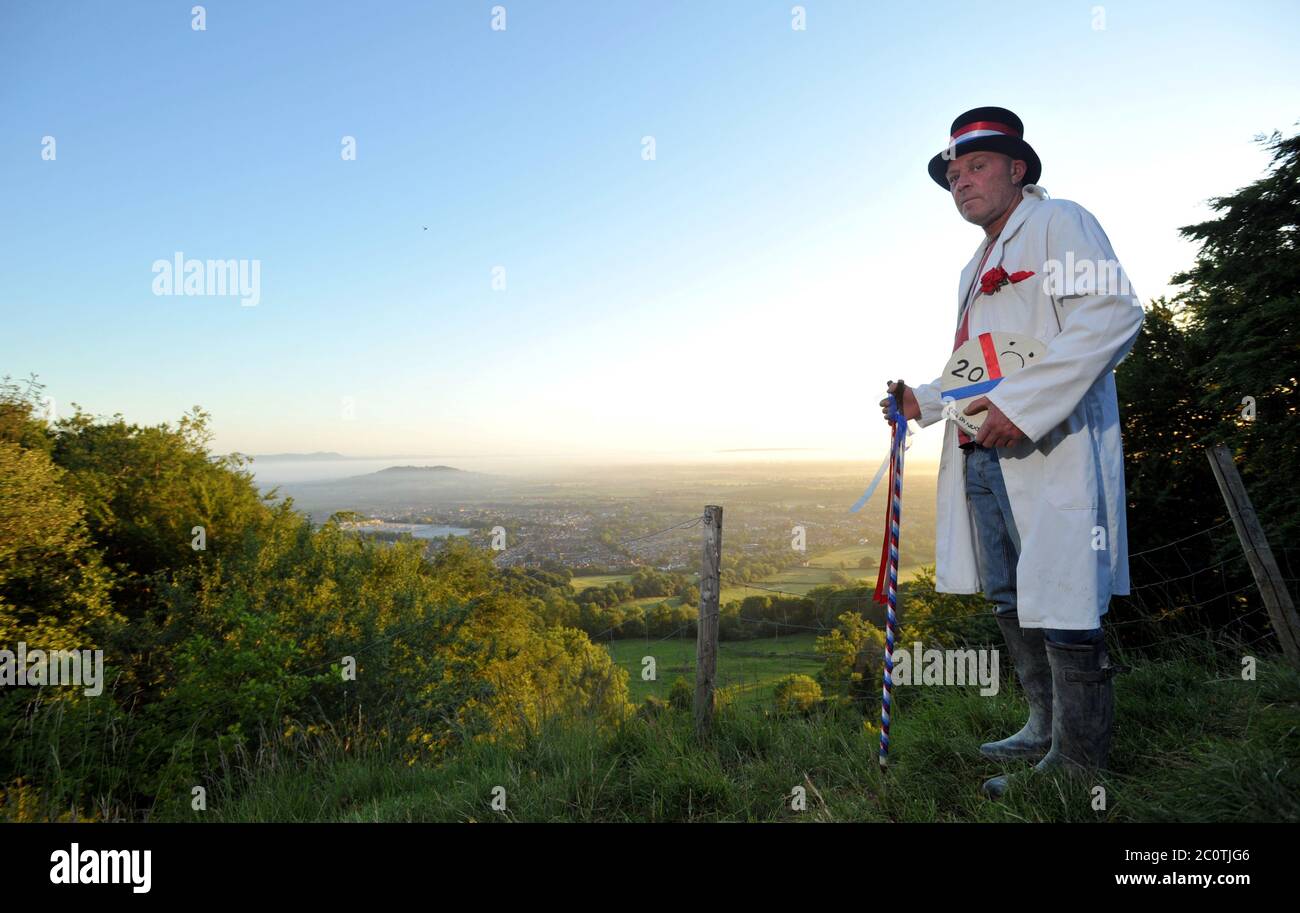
[753,286]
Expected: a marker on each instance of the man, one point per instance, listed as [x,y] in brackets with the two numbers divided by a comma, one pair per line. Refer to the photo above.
[1032,511]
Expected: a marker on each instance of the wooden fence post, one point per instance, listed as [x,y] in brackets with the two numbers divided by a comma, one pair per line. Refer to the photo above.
[706,638]
[1281,610]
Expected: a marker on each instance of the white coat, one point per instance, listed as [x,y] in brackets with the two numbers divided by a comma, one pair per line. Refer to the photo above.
[1065,481]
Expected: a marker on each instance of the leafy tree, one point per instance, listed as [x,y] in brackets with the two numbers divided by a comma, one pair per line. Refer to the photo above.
[1241,298]
[147,489]
[853,656]
[1217,364]
[53,585]
[20,423]
[54,588]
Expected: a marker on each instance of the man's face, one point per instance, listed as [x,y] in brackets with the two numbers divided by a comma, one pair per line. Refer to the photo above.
[983,185]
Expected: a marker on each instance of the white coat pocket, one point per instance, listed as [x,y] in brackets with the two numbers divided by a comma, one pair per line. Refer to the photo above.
[1069,472]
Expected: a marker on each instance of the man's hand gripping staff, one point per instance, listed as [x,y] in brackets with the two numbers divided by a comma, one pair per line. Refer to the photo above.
[997,430]
[904,398]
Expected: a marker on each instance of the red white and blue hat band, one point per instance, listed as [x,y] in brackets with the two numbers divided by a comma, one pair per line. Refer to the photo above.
[982,128]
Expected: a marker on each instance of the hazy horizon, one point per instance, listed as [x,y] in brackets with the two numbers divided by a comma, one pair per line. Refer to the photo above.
[286,471]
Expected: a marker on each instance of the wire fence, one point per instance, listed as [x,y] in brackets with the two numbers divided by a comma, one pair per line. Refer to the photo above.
[1160,612]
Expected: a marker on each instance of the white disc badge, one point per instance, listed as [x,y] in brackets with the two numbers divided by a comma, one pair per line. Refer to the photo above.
[978,366]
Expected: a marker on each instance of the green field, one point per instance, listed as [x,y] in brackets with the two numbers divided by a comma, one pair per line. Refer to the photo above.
[850,555]
[751,666]
[800,580]
[587,582]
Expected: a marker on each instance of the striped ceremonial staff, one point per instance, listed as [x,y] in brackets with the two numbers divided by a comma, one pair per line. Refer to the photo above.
[887,578]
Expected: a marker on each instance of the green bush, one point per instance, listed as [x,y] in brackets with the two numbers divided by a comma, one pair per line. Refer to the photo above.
[797,694]
[681,695]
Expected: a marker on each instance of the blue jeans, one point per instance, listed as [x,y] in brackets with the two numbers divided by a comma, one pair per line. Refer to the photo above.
[999,542]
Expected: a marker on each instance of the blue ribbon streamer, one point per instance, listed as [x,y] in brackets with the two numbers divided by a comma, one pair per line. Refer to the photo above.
[894,416]
[871,489]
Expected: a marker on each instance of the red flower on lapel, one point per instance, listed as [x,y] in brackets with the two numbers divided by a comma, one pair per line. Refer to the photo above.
[997,277]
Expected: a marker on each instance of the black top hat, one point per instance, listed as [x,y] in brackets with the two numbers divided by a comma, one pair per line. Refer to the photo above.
[990,129]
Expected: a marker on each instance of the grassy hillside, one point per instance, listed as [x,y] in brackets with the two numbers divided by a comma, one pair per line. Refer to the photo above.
[1193,743]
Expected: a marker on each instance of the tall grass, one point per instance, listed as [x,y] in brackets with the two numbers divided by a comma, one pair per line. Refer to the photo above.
[1193,742]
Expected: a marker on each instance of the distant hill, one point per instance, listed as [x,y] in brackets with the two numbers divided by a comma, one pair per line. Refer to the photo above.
[416,469]
[394,488]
